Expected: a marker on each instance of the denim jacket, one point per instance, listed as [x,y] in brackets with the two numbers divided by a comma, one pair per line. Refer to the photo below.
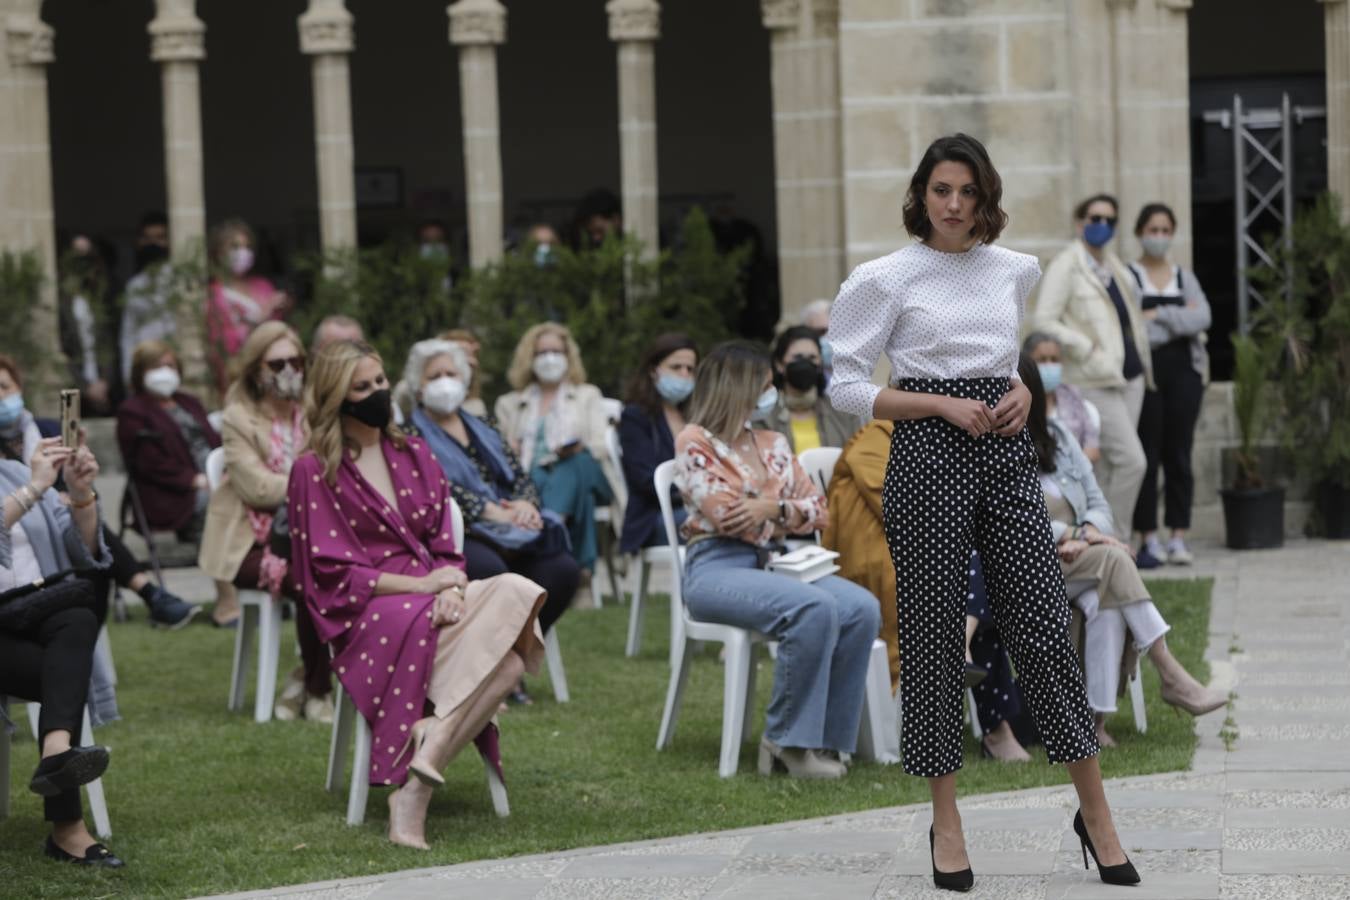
[1073,474]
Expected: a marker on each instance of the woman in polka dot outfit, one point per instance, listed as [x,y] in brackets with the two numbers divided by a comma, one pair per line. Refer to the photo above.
[947,311]
[426,655]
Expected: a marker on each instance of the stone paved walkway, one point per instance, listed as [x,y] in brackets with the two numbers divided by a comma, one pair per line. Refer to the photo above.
[1268,818]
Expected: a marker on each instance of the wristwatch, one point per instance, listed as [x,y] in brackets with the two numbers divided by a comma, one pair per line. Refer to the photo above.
[782,511]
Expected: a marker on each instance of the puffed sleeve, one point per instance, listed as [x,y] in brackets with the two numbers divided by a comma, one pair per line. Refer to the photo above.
[1027,274]
[861,321]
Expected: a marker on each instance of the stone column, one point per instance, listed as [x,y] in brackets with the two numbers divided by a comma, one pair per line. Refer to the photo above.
[1338,101]
[804,47]
[1153,115]
[326,36]
[476,28]
[26,220]
[178,43]
[635,25]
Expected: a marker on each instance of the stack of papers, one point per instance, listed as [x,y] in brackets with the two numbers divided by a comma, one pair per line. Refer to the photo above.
[805,563]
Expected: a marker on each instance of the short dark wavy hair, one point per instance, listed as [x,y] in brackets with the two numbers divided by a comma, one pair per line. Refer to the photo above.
[990,219]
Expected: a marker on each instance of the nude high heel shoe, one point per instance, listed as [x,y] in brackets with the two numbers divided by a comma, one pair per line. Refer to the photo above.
[425,756]
[797,762]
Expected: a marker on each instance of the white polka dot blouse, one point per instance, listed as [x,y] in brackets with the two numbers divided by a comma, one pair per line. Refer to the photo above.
[936,315]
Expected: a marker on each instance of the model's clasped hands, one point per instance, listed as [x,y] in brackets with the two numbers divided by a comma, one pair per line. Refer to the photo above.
[975,418]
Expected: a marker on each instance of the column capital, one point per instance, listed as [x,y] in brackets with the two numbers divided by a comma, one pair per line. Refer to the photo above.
[176,33]
[477,22]
[28,40]
[781,14]
[634,20]
[826,16]
[326,27]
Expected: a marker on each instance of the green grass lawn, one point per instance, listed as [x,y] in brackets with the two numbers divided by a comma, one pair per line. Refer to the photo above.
[205,801]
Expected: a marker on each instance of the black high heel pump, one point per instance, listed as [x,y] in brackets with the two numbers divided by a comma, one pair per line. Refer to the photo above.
[1121,874]
[961,881]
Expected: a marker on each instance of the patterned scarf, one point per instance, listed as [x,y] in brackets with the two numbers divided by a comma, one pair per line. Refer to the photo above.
[272,570]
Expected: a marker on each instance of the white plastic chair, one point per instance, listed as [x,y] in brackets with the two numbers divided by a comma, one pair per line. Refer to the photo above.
[739,676]
[1136,687]
[819,463]
[260,616]
[347,719]
[640,570]
[98,804]
[607,572]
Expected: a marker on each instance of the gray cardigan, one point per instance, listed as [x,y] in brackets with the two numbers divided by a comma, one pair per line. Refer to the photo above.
[1073,474]
[1189,321]
[58,546]
[834,426]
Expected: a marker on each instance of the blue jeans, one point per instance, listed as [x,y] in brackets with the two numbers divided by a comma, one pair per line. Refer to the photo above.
[824,632]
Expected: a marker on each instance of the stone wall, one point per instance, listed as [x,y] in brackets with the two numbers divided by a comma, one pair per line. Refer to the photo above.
[998,69]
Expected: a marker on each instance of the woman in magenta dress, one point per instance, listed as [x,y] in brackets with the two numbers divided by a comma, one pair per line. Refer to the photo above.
[426,655]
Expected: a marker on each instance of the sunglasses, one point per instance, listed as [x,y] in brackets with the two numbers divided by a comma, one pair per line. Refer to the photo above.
[295,362]
[1096,220]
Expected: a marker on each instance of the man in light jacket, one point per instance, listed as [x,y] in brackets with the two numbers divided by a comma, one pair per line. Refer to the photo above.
[1086,302]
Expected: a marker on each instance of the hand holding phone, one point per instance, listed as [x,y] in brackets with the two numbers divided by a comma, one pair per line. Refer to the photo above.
[70,418]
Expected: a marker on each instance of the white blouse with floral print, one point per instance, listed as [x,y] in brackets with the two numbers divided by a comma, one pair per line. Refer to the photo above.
[711,476]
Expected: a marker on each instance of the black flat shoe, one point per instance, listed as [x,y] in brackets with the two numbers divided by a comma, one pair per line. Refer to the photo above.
[961,881]
[96,855]
[1121,874]
[65,771]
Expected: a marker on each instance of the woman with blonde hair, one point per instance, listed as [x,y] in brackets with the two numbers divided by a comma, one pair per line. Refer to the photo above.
[236,302]
[264,430]
[556,423]
[745,492]
[426,655]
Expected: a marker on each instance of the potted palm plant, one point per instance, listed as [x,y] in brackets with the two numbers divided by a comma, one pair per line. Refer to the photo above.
[1253,508]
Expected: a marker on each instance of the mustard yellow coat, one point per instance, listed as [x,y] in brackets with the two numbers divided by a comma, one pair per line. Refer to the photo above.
[855,528]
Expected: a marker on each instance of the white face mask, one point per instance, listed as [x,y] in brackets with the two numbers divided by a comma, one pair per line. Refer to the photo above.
[162,381]
[241,260]
[550,367]
[766,403]
[444,395]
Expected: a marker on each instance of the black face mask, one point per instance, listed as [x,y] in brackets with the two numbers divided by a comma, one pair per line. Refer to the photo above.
[802,374]
[375,409]
[149,254]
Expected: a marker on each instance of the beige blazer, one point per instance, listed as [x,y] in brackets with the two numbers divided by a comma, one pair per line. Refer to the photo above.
[246,435]
[1072,307]
[580,414]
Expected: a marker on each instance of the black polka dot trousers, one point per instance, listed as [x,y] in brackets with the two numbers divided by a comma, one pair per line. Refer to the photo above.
[946,494]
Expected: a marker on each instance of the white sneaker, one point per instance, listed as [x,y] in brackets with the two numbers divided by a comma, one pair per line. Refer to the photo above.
[1177,554]
[287,708]
[319,709]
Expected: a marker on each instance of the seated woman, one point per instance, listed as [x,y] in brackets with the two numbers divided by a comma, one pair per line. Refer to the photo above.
[165,438]
[264,430]
[803,415]
[1063,402]
[20,433]
[857,531]
[237,302]
[469,343]
[50,660]
[745,492]
[1116,601]
[426,655]
[504,528]
[658,398]
[556,423]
